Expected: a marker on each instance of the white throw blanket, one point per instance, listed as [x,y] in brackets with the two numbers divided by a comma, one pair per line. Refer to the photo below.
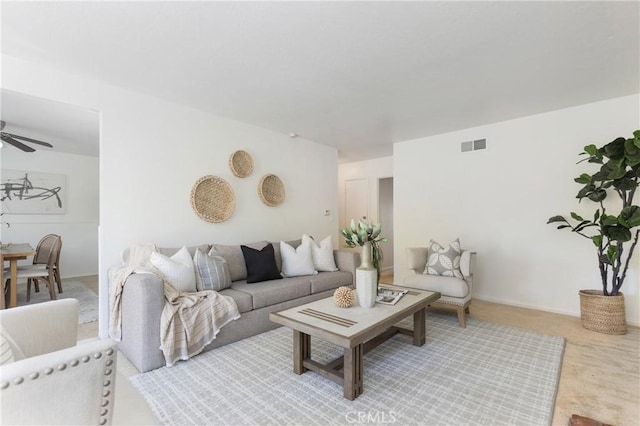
[189,321]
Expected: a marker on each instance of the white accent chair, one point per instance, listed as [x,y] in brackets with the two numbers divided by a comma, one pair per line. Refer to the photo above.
[454,291]
[52,380]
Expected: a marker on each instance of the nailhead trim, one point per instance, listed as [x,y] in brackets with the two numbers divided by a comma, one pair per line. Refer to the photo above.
[61,367]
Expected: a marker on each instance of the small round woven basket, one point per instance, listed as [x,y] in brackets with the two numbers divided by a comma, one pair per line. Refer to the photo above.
[241,164]
[604,314]
[271,190]
[212,199]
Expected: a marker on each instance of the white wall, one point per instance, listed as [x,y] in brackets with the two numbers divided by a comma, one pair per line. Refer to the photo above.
[78,227]
[153,151]
[498,202]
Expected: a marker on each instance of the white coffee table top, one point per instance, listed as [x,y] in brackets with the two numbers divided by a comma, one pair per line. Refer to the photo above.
[349,327]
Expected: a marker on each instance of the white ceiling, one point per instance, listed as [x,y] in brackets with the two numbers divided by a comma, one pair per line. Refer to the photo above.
[354,75]
[68,128]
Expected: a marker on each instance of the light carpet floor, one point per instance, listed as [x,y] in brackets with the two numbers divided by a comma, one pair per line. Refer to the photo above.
[484,374]
[71,289]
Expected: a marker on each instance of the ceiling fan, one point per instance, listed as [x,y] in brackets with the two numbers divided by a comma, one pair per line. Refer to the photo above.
[10,138]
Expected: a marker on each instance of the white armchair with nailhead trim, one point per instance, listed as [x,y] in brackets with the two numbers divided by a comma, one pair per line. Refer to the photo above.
[46,377]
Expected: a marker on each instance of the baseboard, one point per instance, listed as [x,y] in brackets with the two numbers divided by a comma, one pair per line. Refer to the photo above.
[539,308]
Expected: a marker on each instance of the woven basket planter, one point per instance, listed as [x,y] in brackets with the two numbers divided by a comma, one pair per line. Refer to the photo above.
[604,314]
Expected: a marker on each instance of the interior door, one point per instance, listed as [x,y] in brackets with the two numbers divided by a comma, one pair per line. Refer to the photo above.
[356,200]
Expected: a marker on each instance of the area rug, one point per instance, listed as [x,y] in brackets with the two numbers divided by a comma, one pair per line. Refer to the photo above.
[88,306]
[485,374]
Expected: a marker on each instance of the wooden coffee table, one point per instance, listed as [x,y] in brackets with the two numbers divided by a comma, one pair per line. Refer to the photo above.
[356,329]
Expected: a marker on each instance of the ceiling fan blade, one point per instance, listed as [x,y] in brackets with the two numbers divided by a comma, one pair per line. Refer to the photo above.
[17,144]
[29,140]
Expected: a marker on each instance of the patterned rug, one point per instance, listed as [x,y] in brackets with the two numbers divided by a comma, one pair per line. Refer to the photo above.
[484,374]
[88,306]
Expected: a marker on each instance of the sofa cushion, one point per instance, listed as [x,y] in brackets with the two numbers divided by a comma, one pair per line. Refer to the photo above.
[444,261]
[330,280]
[212,272]
[178,269]
[261,264]
[272,292]
[297,261]
[447,286]
[243,300]
[322,254]
[234,257]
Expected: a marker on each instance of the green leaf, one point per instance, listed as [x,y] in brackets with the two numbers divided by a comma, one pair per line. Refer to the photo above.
[612,253]
[353,225]
[596,215]
[584,179]
[591,150]
[615,149]
[576,216]
[636,138]
[564,226]
[630,216]
[376,230]
[605,259]
[597,240]
[617,233]
[598,195]
[625,184]
[609,220]
[556,219]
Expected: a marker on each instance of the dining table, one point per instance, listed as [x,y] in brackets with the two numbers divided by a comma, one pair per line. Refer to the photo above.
[12,253]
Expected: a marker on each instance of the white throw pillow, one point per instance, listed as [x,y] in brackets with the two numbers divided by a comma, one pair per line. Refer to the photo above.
[322,254]
[177,269]
[296,262]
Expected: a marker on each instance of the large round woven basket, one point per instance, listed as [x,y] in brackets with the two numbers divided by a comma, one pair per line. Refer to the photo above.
[212,199]
[604,314]
[271,190]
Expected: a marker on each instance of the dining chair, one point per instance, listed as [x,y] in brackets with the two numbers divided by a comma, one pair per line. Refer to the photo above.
[42,258]
[50,249]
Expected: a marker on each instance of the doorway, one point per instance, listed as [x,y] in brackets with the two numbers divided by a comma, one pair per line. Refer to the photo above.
[385,216]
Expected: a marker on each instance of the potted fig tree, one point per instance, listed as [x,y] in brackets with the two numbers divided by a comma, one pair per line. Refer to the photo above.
[613,229]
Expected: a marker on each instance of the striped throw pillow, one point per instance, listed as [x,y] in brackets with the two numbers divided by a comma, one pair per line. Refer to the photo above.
[212,272]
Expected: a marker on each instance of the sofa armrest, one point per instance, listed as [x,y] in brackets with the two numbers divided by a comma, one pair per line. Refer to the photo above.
[142,304]
[42,328]
[347,261]
[467,262]
[70,386]
[416,259]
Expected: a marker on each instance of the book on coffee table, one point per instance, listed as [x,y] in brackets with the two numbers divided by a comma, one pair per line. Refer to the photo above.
[389,296]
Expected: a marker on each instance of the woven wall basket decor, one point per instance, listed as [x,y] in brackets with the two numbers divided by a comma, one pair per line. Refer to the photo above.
[212,199]
[271,190]
[241,164]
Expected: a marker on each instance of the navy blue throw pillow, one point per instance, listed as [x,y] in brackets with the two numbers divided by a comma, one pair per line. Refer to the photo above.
[261,264]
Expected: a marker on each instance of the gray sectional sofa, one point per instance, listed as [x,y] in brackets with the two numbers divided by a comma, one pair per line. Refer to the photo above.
[143,301]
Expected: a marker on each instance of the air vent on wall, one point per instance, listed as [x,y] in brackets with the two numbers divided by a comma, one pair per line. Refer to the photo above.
[473,145]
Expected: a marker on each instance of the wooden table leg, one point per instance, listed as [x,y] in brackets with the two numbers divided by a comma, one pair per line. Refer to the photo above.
[419,332]
[301,351]
[13,301]
[352,383]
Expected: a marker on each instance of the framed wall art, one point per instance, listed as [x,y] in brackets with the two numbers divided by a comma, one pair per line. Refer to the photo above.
[28,192]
